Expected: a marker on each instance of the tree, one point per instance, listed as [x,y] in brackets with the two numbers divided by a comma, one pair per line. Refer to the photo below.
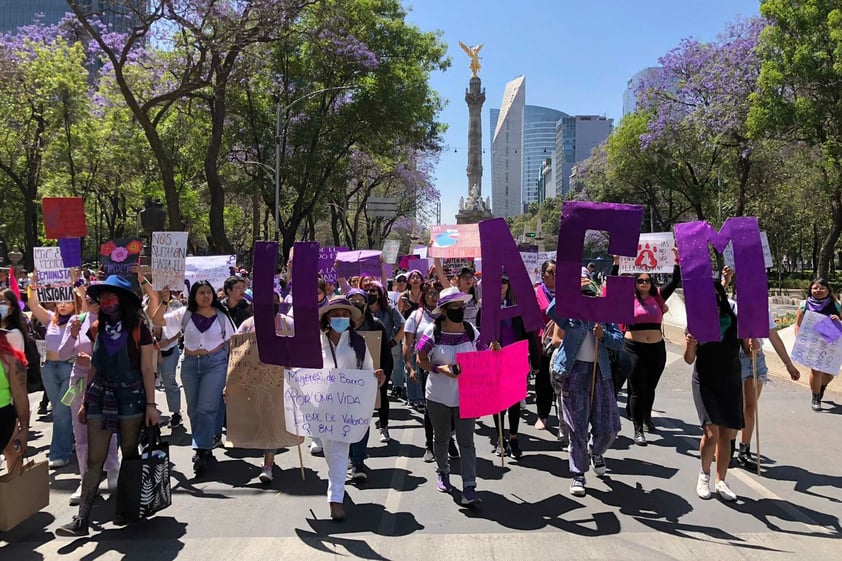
[798,95]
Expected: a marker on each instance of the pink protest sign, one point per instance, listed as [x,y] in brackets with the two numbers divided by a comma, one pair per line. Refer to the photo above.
[454,241]
[692,239]
[622,222]
[654,255]
[492,381]
[304,350]
[64,217]
[502,253]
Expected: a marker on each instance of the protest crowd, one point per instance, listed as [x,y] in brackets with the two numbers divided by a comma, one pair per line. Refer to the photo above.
[364,335]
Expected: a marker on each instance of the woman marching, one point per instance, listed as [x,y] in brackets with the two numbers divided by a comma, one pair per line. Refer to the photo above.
[342,347]
[437,348]
[120,393]
[393,322]
[718,395]
[821,301]
[204,365]
[587,390]
[545,293]
[14,401]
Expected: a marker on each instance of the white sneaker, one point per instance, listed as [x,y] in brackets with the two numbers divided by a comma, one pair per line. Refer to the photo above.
[316,446]
[266,474]
[703,485]
[56,464]
[599,467]
[76,497]
[725,493]
[384,435]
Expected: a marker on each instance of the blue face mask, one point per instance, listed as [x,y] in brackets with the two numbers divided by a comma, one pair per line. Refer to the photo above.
[340,324]
[4,311]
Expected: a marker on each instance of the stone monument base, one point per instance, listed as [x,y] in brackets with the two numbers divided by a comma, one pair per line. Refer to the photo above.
[472,216]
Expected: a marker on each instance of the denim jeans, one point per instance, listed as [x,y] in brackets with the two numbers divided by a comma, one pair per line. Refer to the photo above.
[167,368]
[415,391]
[203,378]
[357,450]
[398,370]
[56,377]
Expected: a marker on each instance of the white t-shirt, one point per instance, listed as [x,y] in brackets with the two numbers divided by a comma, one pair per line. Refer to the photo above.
[346,356]
[441,388]
[194,339]
[418,321]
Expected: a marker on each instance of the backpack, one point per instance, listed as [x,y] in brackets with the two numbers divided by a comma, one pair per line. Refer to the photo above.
[547,338]
[469,330]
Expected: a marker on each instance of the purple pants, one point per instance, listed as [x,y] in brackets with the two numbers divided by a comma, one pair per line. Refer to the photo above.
[602,416]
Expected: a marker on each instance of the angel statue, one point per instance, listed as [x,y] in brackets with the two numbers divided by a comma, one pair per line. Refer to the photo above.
[472,52]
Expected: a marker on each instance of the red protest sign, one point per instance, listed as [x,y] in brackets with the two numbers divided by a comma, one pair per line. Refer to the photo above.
[64,217]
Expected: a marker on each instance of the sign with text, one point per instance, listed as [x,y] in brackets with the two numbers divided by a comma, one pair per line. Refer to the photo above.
[330,403]
[533,266]
[813,349]
[454,241]
[390,251]
[55,293]
[327,258]
[169,254]
[654,255]
[728,253]
[255,399]
[64,217]
[212,268]
[50,268]
[118,255]
[492,381]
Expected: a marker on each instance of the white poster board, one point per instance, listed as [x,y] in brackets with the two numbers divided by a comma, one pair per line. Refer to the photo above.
[212,268]
[728,253]
[812,350]
[654,255]
[390,251]
[169,252]
[50,266]
[533,265]
[330,403]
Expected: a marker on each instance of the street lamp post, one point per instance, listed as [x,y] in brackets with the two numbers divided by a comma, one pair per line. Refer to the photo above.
[278,122]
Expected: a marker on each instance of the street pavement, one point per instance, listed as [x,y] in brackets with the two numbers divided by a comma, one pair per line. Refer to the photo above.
[645,507]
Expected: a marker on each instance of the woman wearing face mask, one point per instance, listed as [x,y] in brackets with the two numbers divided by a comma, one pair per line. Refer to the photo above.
[77,343]
[55,373]
[393,322]
[283,326]
[822,301]
[12,320]
[437,348]
[342,347]
[204,365]
[120,393]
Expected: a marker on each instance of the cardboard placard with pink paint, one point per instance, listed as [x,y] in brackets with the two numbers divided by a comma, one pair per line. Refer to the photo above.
[450,241]
[492,381]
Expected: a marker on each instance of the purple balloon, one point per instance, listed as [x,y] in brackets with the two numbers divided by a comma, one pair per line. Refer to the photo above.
[304,349]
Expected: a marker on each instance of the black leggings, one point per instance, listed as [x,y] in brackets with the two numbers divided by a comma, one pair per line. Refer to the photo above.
[543,389]
[383,410]
[8,420]
[647,365]
[514,419]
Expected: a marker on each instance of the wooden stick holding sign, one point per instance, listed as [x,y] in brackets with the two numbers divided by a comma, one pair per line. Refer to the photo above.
[756,405]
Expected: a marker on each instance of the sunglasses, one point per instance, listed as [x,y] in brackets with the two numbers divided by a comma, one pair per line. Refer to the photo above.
[505,281]
[550,272]
[643,281]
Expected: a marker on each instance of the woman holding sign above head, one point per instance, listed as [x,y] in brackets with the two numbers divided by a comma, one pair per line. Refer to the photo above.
[437,348]
[204,365]
[821,301]
[545,293]
[342,347]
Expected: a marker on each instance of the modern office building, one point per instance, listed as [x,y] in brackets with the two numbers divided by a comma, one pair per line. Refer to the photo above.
[506,150]
[15,13]
[576,136]
[630,95]
[539,139]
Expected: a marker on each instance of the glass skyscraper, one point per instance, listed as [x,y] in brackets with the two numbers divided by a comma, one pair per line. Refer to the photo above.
[539,139]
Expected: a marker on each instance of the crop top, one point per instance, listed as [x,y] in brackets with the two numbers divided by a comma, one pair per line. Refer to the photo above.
[194,339]
[647,315]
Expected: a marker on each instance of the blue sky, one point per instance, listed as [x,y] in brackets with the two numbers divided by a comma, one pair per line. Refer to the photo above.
[577,57]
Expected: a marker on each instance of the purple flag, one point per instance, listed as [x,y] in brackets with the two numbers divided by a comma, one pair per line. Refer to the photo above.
[692,239]
[304,350]
[500,251]
[622,222]
[829,329]
[71,251]
[419,264]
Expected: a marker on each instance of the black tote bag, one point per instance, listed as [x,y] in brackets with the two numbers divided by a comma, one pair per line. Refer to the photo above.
[144,485]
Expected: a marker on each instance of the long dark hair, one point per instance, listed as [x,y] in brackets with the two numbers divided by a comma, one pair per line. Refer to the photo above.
[193,307]
[14,319]
[546,265]
[382,301]
[722,302]
[653,290]
[427,287]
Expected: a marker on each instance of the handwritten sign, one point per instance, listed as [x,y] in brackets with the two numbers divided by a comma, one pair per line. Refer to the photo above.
[454,241]
[50,267]
[728,253]
[654,255]
[327,257]
[335,403]
[169,255]
[64,217]
[813,350]
[492,381]
[255,399]
[212,268]
[118,255]
[533,267]
[390,251]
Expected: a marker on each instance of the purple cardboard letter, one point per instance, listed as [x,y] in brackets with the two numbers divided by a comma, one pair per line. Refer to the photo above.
[499,251]
[304,350]
[692,240]
[622,222]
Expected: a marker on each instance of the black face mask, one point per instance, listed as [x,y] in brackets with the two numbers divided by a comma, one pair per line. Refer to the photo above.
[456,315]
[359,305]
[372,299]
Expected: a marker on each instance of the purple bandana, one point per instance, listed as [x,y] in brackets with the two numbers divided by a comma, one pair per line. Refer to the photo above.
[114,337]
[201,322]
[817,305]
[64,319]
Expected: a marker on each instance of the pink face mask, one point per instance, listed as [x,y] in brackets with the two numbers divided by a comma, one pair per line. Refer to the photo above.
[109,302]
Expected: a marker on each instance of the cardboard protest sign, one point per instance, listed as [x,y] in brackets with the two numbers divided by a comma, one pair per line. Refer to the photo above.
[355,263]
[654,255]
[327,258]
[501,253]
[492,381]
[531,263]
[118,255]
[168,263]
[212,268]
[622,222]
[454,241]
[728,253]
[54,284]
[420,251]
[305,348]
[811,347]
[692,239]
[71,252]
[331,403]
[390,251]
[64,217]
[255,399]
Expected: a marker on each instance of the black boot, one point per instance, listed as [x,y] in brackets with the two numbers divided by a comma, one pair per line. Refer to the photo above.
[821,393]
[639,437]
[744,457]
[817,402]
[200,461]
